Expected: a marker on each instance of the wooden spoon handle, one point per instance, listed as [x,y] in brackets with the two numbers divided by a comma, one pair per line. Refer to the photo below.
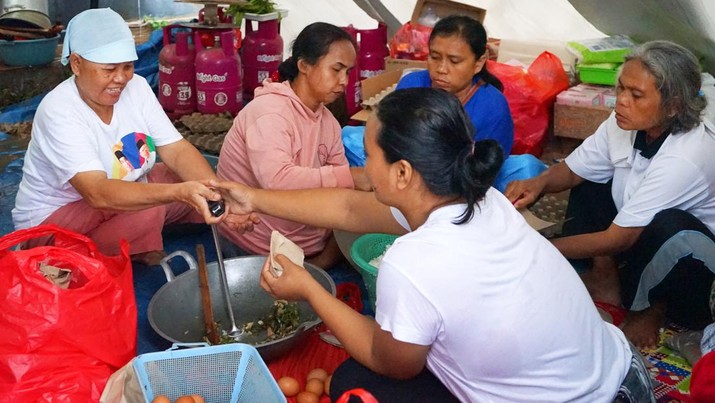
[209,324]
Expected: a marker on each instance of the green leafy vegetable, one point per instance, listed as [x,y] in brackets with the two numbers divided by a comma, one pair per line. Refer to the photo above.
[251,7]
[281,321]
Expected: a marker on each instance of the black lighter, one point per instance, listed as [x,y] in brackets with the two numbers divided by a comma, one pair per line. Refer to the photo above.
[216,208]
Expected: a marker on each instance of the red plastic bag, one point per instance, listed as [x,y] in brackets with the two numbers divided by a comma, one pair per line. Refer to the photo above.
[531,94]
[350,294]
[411,41]
[61,345]
[365,396]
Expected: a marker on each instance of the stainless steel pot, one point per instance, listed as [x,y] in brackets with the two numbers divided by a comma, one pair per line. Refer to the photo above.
[176,314]
[12,5]
[25,19]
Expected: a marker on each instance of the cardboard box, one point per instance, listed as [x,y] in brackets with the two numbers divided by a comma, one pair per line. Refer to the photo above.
[373,86]
[439,9]
[587,94]
[608,98]
[400,64]
[578,121]
[578,98]
[444,8]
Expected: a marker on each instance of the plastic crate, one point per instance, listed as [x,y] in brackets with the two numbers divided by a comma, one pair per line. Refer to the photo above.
[363,250]
[600,73]
[220,374]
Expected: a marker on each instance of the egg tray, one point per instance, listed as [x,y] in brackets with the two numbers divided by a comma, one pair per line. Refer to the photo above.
[210,142]
[375,99]
[207,123]
[551,207]
[233,373]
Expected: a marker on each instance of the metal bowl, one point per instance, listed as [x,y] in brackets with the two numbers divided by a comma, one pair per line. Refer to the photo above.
[25,19]
[176,314]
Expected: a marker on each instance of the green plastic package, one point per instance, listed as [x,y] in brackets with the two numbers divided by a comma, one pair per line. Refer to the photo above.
[611,49]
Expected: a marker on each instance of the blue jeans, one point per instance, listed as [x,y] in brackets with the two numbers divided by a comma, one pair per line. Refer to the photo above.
[637,386]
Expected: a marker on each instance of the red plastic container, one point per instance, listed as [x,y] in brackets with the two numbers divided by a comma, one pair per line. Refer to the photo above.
[373,51]
[262,53]
[218,76]
[177,88]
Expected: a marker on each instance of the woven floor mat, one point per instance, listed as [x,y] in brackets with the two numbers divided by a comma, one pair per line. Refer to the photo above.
[669,371]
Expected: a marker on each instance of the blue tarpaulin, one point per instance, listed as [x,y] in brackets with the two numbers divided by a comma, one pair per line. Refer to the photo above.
[147,65]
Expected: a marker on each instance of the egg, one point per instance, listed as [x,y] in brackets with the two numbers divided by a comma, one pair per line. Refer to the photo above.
[319,373]
[198,399]
[327,384]
[185,399]
[307,397]
[315,386]
[289,386]
[161,399]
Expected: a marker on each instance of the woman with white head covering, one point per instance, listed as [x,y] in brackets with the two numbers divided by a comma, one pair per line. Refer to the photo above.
[72,176]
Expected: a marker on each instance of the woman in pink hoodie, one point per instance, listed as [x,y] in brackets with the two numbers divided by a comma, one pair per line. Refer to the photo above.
[287,139]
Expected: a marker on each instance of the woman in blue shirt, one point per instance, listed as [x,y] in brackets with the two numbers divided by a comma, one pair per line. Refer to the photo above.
[457,64]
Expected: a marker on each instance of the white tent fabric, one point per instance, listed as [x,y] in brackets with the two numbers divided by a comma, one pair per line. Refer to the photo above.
[505,19]
[688,22]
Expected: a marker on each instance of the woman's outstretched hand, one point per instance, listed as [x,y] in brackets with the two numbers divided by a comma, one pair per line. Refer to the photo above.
[293,284]
[523,193]
[237,199]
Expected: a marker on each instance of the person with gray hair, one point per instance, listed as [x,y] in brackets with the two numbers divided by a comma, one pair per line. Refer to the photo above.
[73,176]
[641,211]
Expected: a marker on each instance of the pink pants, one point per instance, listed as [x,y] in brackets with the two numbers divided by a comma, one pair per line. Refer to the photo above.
[142,228]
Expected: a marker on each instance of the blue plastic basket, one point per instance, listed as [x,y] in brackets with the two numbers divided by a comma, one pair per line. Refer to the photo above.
[224,373]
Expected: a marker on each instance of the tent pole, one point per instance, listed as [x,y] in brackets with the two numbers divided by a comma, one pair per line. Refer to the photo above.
[378,11]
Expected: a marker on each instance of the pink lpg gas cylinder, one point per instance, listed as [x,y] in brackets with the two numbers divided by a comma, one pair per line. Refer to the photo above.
[353,93]
[218,76]
[262,53]
[373,50]
[177,93]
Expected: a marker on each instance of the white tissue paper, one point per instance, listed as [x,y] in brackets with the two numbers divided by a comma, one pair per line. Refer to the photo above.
[280,245]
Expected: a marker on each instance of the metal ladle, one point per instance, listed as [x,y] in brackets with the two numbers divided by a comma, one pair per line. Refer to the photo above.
[217,209]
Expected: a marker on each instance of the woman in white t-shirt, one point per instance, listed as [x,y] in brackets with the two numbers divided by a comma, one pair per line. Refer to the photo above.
[642,204]
[90,164]
[472,303]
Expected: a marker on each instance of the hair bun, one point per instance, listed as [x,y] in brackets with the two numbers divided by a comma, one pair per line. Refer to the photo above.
[489,157]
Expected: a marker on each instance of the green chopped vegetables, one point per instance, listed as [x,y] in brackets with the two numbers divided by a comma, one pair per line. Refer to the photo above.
[251,7]
[280,322]
[283,320]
